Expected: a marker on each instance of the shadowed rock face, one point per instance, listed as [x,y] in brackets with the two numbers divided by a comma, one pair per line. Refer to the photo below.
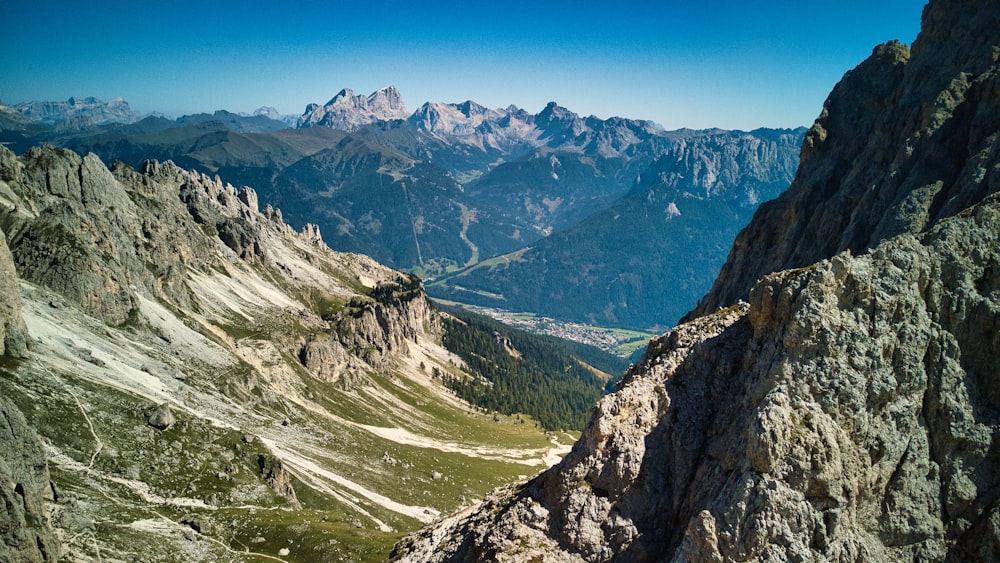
[13,333]
[25,532]
[848,411]
[904,141]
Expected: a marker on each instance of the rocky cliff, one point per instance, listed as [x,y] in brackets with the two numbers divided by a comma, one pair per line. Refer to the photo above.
[904,140]
[25,490]
[13,333]
[25,531]
[847,411]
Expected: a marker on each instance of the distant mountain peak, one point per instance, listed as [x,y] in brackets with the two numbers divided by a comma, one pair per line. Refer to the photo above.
[470,108]
[78,113]
[389,99]
[348,111]
[346,93]
[272,113]
[555,112]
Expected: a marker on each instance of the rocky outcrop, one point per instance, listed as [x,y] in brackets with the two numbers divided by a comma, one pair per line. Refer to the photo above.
[848,411]
[75,211]
[150,229]
[273,472]
[25,532]
[160,417]
[146,228]
[13,333]
[370,333]
[904,140]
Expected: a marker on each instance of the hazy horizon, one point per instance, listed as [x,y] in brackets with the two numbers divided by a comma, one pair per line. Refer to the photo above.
[717,64]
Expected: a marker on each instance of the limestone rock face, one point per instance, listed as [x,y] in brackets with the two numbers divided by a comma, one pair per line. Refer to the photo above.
[848,411]
[347,111]
[25,532]
[376,330]
[76,211]
[13,333]
[905,140]
[145,229]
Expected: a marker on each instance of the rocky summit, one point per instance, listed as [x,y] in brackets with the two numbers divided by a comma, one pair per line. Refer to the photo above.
[348,112]
[834,397]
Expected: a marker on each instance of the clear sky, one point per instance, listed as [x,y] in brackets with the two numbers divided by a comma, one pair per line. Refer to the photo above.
[698,64]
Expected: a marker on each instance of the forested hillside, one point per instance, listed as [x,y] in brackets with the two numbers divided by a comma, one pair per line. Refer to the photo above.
[520,372]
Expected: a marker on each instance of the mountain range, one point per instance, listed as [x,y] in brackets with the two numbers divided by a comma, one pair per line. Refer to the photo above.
[186,377]
[452,190]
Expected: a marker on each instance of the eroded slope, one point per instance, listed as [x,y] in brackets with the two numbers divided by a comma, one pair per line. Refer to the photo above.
[211,385]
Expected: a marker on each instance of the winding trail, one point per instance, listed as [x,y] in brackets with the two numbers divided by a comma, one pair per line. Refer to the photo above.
[99,445]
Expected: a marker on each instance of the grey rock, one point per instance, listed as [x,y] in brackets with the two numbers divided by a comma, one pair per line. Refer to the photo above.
[842,414]
[82,215]
[347,111]
[26,534]
[147,229]
[73,521]
[242,237]
[375,329]
[272,470]
[871,170]
[197,523]
[249,198]
[161,418]
[13,332]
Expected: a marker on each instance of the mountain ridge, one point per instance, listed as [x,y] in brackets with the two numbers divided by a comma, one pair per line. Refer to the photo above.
[849,216]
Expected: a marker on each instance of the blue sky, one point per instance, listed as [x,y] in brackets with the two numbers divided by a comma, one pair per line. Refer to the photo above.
[734,65]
